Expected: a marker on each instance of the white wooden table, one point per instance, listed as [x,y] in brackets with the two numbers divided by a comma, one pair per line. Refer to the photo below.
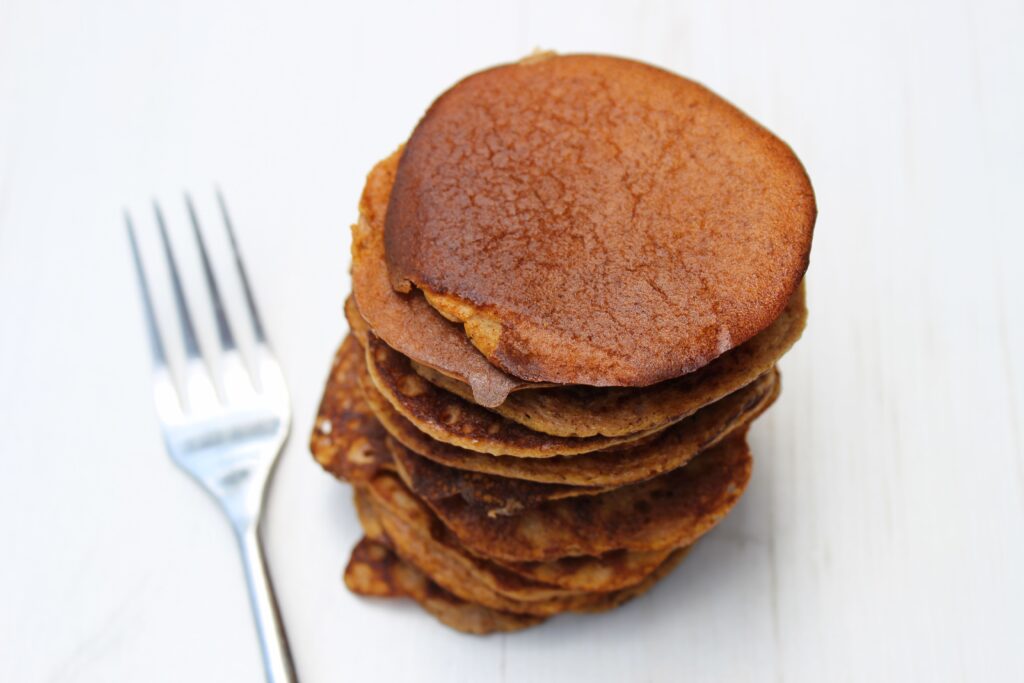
[883,535]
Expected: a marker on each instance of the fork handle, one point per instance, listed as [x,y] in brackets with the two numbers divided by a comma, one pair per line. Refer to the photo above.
[277,657]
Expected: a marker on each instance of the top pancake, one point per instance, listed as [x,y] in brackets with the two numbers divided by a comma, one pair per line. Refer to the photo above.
[406,321]
[593,220]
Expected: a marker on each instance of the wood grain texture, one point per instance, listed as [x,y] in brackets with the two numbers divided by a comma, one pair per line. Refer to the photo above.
[882,537]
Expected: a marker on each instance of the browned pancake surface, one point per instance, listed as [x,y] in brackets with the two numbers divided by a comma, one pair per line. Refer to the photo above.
[594,220]
[349,442]
[451,419]
[374,570]
[666,512]
[406,321]
[608,411]
[347,439]
[525,581]
[673,448]
[611,571]
[497,495]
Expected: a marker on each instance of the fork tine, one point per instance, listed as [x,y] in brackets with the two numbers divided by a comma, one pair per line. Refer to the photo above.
[254,315]
[227,338]
[156,344]
[185,318]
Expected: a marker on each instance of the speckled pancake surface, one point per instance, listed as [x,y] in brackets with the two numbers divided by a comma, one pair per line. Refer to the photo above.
[411,531]
[349,442]
[347,439]
[669,511]
[374,570]
[496,495]
[587,411]
[394,522]
[595,220]
[406,321]
[612,571]
[473,579]
[391,515]
[446,417]
[670,450]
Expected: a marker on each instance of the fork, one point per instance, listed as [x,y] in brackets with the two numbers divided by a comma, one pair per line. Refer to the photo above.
[225,429]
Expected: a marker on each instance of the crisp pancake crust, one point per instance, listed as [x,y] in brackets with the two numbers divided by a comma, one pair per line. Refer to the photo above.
[446,417]
[612,571]
[347,440]
[593,220]
[498,495]
[606,411]
[375,570]
[408,526]
[669,511]
[674,448]
[350,443]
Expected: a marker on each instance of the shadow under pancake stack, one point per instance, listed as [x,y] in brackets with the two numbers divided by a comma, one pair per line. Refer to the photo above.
[570,290]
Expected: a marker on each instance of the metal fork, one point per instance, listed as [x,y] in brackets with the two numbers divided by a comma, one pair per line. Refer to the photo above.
[225,430]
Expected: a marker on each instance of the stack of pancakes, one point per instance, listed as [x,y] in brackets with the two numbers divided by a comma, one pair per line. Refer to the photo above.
[571,288]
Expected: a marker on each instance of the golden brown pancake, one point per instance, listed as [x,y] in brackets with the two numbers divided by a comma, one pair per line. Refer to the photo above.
[444,416]
[350,443]
[673,448]
[406,321]
[347,439]
[594,220]
[368,517]
[496,495]
[587,411]
[392,517]
[611,571]
[453,570]
[390,514]
[669,511]
[398,513]
[376,571]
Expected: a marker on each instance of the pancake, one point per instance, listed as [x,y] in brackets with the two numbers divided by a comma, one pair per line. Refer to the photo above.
[406,321]
[594,220]
[611,571]
[417,537]
[445,566]
[669,511]
[351,444]
[392,517]
[347,439]
[374,570]
[368,517]
[586,411]
[496,495]
[672,449]
[527,581]
[518,581]
[445,417]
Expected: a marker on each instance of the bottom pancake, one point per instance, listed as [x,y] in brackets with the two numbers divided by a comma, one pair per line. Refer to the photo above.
[417,537]
[611,571]
[421,539]
[374,570]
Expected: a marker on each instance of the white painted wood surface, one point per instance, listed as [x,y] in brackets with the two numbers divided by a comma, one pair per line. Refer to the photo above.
[883,535]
